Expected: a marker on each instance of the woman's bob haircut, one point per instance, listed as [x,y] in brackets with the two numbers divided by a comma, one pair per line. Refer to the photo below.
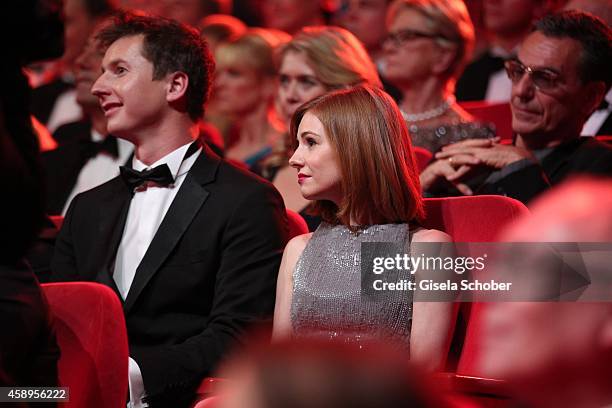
[380,181]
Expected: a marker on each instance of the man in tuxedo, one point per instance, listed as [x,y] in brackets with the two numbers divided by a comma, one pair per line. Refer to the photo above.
[507,22]
[87,155]
[191,244]
[54,103]
[553,93]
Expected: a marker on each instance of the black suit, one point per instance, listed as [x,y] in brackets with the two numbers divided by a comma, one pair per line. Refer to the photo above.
[584,156]
[209,272]
[44,97]
[28,351]
[474,82]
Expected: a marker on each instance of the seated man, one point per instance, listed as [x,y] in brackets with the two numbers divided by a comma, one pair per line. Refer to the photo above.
[562,72]
[558,354]
[190,243]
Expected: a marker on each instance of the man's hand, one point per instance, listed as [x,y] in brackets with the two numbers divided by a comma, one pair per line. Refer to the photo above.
[487,151]
[452,169]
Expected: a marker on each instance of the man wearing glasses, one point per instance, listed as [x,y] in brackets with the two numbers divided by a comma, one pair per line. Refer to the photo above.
[561,73]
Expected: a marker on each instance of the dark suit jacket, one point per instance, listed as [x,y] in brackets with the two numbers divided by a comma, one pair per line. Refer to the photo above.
[581,156]
[28,350]
[43,98]
[209,272]
[473,83]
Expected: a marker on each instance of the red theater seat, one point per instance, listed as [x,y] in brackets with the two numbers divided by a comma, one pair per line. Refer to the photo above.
[92,338]
[473,219]
[422,156]
[297,225]
[497,113]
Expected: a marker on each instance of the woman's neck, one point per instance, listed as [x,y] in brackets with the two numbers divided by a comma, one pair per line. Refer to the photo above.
[423,96]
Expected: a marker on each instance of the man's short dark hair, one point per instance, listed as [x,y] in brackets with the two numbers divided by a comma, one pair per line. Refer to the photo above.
[171,47]
[595,63]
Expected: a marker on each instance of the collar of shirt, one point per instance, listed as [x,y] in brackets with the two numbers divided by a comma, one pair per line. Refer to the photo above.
[125,148]
[178,167]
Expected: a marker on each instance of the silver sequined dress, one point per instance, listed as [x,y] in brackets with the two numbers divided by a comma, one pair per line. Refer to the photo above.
[327,301]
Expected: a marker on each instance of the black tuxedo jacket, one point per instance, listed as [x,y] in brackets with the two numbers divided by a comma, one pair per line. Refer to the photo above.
[584,156]
[209,272]
[43,98]
[473,83]
[28,349]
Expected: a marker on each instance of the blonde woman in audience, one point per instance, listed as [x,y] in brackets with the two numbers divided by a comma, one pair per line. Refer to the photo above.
[244,89]
[317,60]
[428,45]
[354,158]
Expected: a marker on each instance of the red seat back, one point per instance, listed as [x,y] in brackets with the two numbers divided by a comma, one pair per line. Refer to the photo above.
[422,156]
[472,219]
[297,225]
[497,113]
[92,338]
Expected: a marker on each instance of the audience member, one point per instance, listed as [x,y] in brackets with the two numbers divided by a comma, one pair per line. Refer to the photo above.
[560,76]
[190,11]
[600,122]
[508,22]
[317,60]
[310,374]
[557,354]
[367,20]
[245,89]
[190,243]
[291,15]
[87,155]
[429,43]
[218,28]
[354,158]
[54,104]
[28,351]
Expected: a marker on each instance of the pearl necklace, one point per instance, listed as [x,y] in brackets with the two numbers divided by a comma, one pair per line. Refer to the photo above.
[429,114]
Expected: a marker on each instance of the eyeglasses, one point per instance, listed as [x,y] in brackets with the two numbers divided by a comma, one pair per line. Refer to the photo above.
[402,36]
[543,79]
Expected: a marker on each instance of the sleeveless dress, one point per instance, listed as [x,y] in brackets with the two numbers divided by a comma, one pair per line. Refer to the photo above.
[327,297]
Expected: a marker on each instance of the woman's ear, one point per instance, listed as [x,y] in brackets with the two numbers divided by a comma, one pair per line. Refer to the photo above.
[177,86]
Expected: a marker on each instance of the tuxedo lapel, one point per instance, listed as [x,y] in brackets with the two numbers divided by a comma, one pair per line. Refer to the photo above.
[181,213]
[113,213]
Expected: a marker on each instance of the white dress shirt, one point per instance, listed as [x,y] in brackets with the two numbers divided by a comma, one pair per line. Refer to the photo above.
[499,88]
[99,169]
[597,118]
[65,110]
[147,210]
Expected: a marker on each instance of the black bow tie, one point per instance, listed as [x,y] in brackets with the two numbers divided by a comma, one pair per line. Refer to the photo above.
[108,145]
[160,175]
[603,105]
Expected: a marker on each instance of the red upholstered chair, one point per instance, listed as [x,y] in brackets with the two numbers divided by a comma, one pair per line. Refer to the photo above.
[497,113]
[604,138]
[297,225]
[422,156]
[473,219]
[57,220]
[92,338]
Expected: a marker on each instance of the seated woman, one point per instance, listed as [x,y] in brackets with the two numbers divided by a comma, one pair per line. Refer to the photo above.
[244,89]
[317,60]
[354,158]
[428,45]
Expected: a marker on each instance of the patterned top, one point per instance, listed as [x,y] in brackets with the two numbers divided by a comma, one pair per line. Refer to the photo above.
[327,297]
[434,138]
